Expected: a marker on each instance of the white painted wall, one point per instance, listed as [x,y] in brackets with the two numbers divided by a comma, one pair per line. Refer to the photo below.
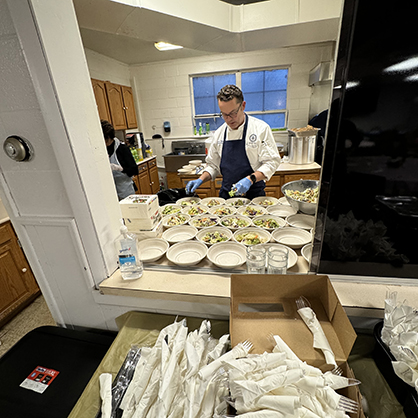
[163,89]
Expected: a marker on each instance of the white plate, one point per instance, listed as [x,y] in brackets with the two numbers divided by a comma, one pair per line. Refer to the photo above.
[293,257]
[175,209]
[283,201]
[152,249]
[301,221]
[187,201]
[212,201]
[227,255]
[222,210]
[182,218]
[189,167]
[185,171]
[179,233]
[306,252]
[187,253]
[195,162]
[264,235]
[212,229]
[237,201]
[227,219]
[265,201]
[248,209]
[281,210]
[188,210]
[278,219]
[292,237]
[197,221]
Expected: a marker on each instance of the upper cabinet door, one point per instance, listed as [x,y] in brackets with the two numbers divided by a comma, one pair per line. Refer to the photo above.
[128,101]
[114,95]
[101,99]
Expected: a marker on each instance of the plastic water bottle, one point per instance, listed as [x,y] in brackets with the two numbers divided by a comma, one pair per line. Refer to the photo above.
[130,265]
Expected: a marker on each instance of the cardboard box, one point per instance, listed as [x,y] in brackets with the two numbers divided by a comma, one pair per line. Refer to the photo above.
[264,304]
[139,206]
[156,232]
[146,224]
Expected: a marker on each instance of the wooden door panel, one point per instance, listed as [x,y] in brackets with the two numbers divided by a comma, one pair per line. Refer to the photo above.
[114,95]
[101,99]
[129,107]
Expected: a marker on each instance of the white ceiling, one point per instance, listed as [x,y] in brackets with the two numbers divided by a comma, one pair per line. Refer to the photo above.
[127,32]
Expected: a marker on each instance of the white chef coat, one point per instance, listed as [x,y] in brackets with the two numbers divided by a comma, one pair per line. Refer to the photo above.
[260,147]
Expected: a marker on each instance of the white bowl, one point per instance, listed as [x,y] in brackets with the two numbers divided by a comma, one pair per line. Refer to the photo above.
[175,220]
[281,210]
[252,210]
[189,167]
[204,234]
[283,201]
[222,210]
[227,255]
[204,221]
[179,233]
[152,249]
[230,221]
[195,162]
[306,252]
[166,208]
[212,201]
[300,220]
[237,201]
[263,235]
[187,253]
[187,201]
[291,260]
[184,171]
[264,218]
[195,210]
[292,237]
[265,201]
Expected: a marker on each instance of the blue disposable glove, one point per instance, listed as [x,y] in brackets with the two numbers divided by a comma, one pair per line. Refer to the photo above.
[242,186]
[191,186]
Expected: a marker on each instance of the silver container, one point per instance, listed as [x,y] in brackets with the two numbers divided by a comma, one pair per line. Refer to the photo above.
[301,146]
[301,186]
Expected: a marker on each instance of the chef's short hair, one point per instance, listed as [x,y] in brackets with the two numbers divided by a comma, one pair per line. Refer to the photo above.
[108,129]
[230,91]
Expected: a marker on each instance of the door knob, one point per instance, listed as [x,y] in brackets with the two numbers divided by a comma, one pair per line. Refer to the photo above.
[24,270]
[17,148]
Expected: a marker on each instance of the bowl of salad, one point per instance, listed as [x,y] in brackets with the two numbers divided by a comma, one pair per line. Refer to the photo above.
[204,221]
[269,222]
[252,210]
[265,201]
[170,209]
[212,201]
[214,234]
[302,195]
[188,201]
[195,210]
[222,210]
[238,201]
[235,221]
[175,220]
[252,235]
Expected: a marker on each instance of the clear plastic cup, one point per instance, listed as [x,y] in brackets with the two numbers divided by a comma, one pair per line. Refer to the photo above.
[277,260]
[256,260]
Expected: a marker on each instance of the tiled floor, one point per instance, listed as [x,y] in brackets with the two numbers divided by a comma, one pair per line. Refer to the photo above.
[33,316]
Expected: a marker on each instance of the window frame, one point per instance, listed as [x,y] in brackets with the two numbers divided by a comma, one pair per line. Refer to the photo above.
[238,83]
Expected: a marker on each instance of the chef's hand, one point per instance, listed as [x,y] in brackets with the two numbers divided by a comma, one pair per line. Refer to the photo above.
[191,186]
[116,167]
[242,186]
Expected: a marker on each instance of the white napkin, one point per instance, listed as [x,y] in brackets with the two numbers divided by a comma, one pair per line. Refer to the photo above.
[284,404]
[282,347]
[320,340]
[105,380]
[405,372]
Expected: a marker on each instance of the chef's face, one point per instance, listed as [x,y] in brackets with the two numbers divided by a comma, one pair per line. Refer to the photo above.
[232,112]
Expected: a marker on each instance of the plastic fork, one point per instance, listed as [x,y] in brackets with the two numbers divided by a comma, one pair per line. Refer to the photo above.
[338,371]
[302,302]
[347,405]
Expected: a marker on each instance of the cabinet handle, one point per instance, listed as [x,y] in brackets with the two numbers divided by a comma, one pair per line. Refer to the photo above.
[24,270]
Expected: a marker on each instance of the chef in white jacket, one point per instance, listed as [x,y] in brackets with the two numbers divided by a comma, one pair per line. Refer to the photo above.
[243,150]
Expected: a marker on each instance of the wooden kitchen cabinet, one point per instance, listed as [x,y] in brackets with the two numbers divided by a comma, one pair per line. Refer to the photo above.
[115,103]
[17,283]
[147,180]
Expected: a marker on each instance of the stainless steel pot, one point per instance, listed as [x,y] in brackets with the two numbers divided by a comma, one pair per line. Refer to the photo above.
[301,146]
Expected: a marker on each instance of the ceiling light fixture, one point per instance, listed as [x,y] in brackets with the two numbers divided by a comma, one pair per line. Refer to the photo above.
[165,46]
[406,65]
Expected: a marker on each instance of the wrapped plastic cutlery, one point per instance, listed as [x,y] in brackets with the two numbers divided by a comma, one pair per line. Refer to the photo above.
[319,339]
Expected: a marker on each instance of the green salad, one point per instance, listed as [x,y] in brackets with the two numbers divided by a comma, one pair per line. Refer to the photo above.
[204,222]
[176,220]
[309,195]
[222,211]
[250,238]
[213,237]
[266,223]
[252,211]
[195,210]
[234,222]
[168,210]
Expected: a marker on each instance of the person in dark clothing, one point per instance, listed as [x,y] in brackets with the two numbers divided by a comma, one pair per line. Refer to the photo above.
[122,162]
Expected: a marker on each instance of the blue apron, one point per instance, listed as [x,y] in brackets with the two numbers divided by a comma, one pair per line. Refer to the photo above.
[235,166]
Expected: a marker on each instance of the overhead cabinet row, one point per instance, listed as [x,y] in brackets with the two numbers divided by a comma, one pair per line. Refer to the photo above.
[115,104]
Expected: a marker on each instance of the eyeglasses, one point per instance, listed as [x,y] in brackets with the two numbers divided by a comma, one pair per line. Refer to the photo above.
[232,114]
